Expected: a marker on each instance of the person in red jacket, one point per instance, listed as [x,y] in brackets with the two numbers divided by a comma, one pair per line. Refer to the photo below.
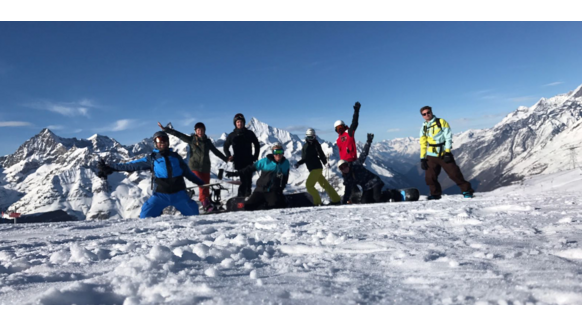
[346,142]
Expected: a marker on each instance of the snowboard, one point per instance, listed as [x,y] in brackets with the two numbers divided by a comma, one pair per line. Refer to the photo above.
[401,195]
[301,199]
[235,204]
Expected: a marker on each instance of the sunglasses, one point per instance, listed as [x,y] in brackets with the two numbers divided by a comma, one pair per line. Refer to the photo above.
[278,151]
[426,113]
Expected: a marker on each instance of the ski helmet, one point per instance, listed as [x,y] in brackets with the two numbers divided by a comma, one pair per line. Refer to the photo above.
[276,145]
[338,123]
[161,135]
[237,117]
[310,133]
[199,125]
[340,163]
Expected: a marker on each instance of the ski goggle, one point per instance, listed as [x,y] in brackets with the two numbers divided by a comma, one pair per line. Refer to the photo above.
[343,167]
[278,151]
[162,139]
[310,137]
[340,128]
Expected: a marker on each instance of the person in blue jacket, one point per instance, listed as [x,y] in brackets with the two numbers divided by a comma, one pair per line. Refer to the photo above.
[169,170]
[274,176]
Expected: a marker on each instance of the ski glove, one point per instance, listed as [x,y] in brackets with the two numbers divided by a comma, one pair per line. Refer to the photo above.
[424,164]
[357,106]
[103,170]
[370,137]
[448,158]
[230,174]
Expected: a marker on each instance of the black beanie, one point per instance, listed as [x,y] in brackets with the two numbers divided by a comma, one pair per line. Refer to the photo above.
[199,125]
[237,117]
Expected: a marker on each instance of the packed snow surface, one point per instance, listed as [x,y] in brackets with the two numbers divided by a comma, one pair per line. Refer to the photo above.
[517,245]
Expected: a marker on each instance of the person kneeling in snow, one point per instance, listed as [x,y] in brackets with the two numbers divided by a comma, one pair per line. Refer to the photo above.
[354,173]
[169,170]
[274,176]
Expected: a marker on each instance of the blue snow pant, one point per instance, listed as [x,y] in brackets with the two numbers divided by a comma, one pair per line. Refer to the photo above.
[155,205]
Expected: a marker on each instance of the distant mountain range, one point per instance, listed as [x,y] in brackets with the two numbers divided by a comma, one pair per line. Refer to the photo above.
[49,172]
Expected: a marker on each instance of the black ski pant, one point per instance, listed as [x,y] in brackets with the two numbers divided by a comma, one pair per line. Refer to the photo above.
[265,200]
[453,171]
[246,184]
[373,195]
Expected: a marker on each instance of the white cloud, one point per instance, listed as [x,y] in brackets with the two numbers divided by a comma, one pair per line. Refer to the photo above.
[552,84]
[80,108]
[55,127]
[394,130]
[122,125]
[188,121]
[14,123]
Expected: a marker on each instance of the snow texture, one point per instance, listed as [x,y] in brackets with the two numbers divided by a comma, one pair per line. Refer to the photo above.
[516,245]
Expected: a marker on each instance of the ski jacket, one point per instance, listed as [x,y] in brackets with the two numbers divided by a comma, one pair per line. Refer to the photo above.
[359,175]
[346,143]
[274,176]
[242,141]
[436,138]
[199,150]
[168,171]
[312,155]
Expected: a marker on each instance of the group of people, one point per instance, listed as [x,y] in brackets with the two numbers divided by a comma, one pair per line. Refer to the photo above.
[169,169]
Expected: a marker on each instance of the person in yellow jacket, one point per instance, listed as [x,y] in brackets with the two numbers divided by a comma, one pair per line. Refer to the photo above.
[313,156]
[436,142]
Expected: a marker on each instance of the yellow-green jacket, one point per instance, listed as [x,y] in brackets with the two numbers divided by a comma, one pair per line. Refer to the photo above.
[435,141]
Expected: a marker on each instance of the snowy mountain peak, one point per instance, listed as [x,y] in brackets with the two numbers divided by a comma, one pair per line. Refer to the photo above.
[577,93]
[269,135]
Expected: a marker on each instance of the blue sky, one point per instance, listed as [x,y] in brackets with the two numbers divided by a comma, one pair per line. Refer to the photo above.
[120,78]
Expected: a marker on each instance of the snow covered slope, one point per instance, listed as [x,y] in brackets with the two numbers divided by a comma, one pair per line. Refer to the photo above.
[518,245]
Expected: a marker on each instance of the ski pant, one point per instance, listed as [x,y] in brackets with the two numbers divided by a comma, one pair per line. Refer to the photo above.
[316,176]
[373,195]
[453,171]
[203,193]
[246,183]
[265,200]
[154,206]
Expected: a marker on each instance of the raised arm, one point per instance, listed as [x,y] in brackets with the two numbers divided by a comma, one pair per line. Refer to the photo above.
[216,151]
[354,125]
[141,164]
[364,153]
[186,138]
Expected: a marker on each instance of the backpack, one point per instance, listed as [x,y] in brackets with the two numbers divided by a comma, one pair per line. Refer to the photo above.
[438,123]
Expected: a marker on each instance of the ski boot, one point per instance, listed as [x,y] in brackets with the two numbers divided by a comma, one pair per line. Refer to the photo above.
[433,197]
[468,194]
[207,205]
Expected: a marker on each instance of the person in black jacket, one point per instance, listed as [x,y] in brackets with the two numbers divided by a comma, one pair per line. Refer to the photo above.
[312,155]
[270,185]
[242,141]
[199,163]
[354,173]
